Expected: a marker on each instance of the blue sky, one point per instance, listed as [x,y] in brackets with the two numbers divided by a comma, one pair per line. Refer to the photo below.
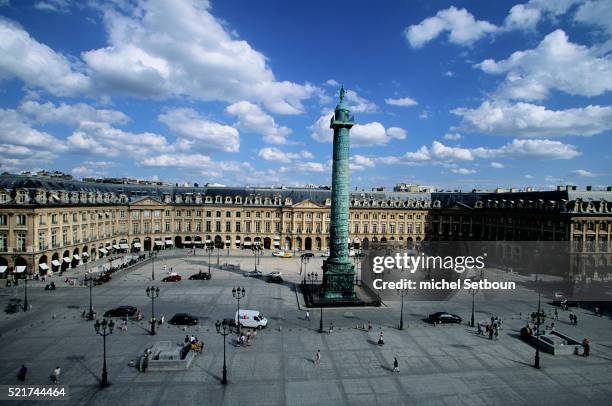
[458,94]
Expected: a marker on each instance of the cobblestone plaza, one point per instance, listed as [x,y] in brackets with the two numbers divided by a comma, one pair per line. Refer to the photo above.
[448,364]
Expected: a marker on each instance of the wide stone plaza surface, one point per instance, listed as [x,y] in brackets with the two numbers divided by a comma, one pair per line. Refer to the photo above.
[447,365]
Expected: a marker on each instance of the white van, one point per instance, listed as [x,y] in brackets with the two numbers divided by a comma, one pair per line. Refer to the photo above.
[251,318]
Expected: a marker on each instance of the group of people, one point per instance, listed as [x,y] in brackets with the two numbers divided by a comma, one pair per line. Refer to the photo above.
[244,340]
[194,344]
[573,318]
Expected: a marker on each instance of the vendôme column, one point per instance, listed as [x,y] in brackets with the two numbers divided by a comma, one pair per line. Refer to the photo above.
[338,271]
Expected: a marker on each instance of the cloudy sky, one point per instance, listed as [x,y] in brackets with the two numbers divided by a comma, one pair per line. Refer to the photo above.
[455,94]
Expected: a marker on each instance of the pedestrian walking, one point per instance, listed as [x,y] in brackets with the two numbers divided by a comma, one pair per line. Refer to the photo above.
[307,315]
[331,328]
[21,375]
[490,332]
[369,325]
[575,320]
[571,317]
[480,329]
[496,332]
[556,315]
[395,365]
[318,358]
[55,376]
[145,362]
[587,347]
[381,340]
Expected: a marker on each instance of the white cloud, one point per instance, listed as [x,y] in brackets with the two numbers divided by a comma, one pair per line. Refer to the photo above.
[497,165]
[358,104]
[332,82]
[70,114]
[362,135]
[528,149]
[449,73]
[251,118]
[57,6]
[36,64]
[530,120]
[100,139]
[165,49]
[555,64]
[397,133]
[360,163]
[463,28]
[528,176]
[310,167]
[17,130]
[199,132]
[275,154]
[91,169]
[597,12]
[521,17]
[424,115]
[402,101]
[452,137]
[463,171]
[584,173]
[178,160]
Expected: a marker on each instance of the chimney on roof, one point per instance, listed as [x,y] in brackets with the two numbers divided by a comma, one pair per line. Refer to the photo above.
[589,188]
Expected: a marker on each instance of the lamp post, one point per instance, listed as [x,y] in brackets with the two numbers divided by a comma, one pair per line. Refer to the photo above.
[402,293]
[224,330]
[90,283]
[538,322]
[473,292]
[153,255]
[104,328]
[313,278]
[321,297]
[153,293]
[209,250]
[218,246]
[356,260]
[255,254]
[238,294]
[303,261]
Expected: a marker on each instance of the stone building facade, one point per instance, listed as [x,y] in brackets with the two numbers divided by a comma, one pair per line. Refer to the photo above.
[48,224]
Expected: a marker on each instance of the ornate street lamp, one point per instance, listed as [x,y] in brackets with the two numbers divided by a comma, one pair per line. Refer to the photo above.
[321,297]
[313,278]
[153,293]
[402,293]
[538,322]
[255,254]
[90,283]
[303,261]
[473,292]
[153,255]
[104,328]
[218,246]
[224,330]
[238,294]
[209,250]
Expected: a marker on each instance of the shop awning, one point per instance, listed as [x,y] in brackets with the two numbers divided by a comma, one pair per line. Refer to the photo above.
[187,243]
[247,243]
[77,257]
[208,241]
[43,266]
[158,243]
[19,269]
[276,244]
[67,259]
[55,262]
[276,237]
[85,254]
[116,246]
[3,269]
[137,245]
[103,250]
[237,241]
[168,242]
[123,246]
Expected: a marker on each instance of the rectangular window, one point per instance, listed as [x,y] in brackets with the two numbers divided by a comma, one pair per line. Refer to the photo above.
[198,226]
[217,226]
[237,214]
[167,227]
[136,215]
[228,226]
[178,213]
[248,226]
[54,243]
[177,227]
[42,241]
[208,227]
[228,214]
[21,242]
[356,228]
[75,217]
[238,227]
[365,228]
[42,220]
[3,243]
[135,228]
[374,229]
[21,220]
[157,227]
[268,229]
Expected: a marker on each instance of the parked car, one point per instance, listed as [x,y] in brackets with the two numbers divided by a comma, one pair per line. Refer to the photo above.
[200,276]
[183,319]
[307,255]
[121,311]
[273,274]
[324,253]
[172,278]
[443,317]
[282,254]
[253,274]
[105,277]
[251,318]
[274,279]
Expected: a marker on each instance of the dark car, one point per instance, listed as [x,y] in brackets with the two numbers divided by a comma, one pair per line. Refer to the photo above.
[105,277]
[308,255]
[200,276]
[183,319]
[172,278]
[121,311]
[253,274]
[443,317]
[274,279]
[231,323]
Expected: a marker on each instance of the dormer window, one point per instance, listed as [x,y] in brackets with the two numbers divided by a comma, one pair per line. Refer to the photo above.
[4,197]
[22,197]
[228,200]
[208,199]
[218,199]
[238,200]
